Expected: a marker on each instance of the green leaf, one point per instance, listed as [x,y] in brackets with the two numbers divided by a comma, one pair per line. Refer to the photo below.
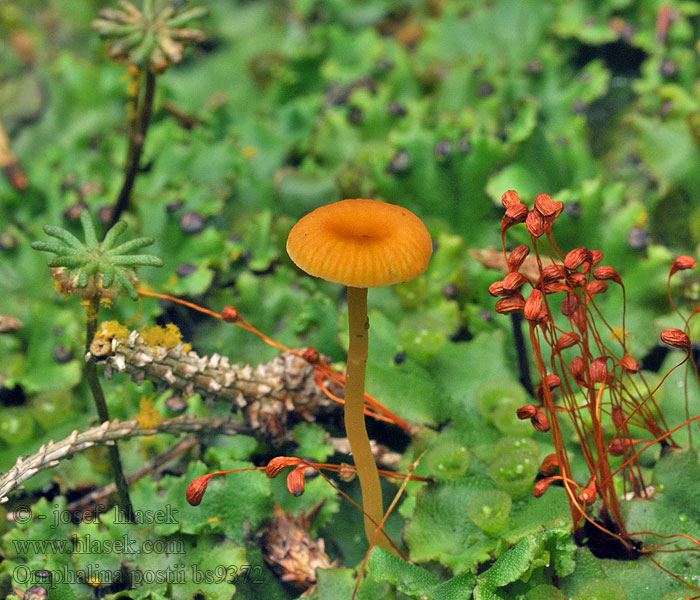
[41,543]
[410,579]
[514,562]
[516,176]
[338,584]
[312,441]
[524,123]
[39,370]
[415,581]
[670,168]
[461,545]
[406,388]
[461,369]
[260,242]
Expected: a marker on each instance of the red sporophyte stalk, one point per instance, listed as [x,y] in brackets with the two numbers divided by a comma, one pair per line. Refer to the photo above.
[197,488]
[583,375]
[296,482]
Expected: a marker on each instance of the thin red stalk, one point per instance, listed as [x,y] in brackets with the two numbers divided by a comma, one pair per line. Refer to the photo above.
[553,244]
[656,441]
[641,404]
[673,304]
[180,301]
[668,537]
[605,485]
[624,318]
[687,400]
[572,499]
[600,468]
[573,410]
[320,467]
[379,526]
[668,572]
[339,400]
[557,438]
[686,329]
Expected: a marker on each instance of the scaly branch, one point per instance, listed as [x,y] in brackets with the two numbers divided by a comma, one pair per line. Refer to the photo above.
[49,455]
[270,395]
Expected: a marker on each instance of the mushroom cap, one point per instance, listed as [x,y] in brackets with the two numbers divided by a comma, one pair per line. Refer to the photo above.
[361,243]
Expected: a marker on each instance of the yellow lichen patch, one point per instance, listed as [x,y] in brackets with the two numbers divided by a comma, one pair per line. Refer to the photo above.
[60,289]
[621,335]
[113,329]
[90,309]
[148,414]
[145,286]
[249,152]
[168,336]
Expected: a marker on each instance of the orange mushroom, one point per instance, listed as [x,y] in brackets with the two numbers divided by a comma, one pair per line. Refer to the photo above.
[361,244]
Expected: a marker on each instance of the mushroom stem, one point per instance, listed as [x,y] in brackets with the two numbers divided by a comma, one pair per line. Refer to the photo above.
[355,417]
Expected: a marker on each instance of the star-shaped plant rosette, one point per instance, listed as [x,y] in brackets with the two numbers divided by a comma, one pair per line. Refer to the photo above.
[153,36]
[93,269]
[149,40]
[97,272]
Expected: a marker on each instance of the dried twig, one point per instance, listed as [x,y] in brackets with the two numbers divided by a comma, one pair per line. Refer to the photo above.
[138,128]
[50,454]
[90,374]
[386,459]
[185,119]
[494,259]
[270,394]
[9,324]
[9,163]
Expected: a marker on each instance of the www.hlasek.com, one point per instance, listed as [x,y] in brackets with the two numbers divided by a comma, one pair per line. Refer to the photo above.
[175,575]
[89,545]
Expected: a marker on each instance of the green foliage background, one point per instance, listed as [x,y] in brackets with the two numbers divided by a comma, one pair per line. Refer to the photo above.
[439,106]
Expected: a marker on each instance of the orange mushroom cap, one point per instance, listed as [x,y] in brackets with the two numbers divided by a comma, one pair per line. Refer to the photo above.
[361,243]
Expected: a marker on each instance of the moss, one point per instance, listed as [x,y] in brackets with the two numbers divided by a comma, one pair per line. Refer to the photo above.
[148,414]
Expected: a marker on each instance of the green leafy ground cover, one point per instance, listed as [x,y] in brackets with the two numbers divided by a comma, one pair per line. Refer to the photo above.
[438,106]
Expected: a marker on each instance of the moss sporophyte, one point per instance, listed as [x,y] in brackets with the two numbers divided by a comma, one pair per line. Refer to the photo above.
[93,269]
[586,373]
[154,36]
